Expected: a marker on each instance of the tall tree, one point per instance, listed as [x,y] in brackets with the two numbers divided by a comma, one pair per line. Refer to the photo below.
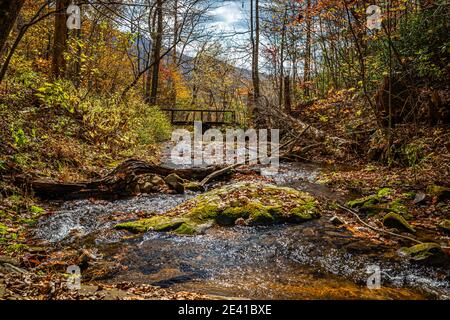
[157,45]
[174,54]
[60,39]
[282,58]
[9,11]
[307,66]
[256,52]
[254,39]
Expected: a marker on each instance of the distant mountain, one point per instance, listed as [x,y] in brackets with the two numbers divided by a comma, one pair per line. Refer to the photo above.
[143,51]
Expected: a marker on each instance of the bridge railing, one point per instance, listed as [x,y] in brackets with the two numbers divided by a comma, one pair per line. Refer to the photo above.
[208,117]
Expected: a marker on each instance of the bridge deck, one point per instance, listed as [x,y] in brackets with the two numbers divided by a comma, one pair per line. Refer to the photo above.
[208,117]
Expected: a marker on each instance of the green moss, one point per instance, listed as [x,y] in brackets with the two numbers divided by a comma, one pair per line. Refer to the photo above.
[36,210]
[365,201]
[228,216]
[258,203]
[169,225]
[262,217]
[394,220]
[139,226]
[424,252]
[370,200]
[264,214]
[186,229]
[409,195]
[204,211]
[157,223]
[384,192]
[397,207]
[3,229]
[441,193]
[299,214]
[30,222]
[376,203]
[17,247]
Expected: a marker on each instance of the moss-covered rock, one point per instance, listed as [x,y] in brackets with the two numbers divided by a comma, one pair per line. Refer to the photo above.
[398,207]
[187,228]
[371,199]
[409,195]
[394,220]
[255,203]
[175,182]
[428,253]
[394,206]
[445,226]
[441,193]
[157,223]
[381,202]
[365,201]
[193,186]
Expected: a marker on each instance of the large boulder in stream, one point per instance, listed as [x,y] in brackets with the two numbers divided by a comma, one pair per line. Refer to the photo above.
[255,203]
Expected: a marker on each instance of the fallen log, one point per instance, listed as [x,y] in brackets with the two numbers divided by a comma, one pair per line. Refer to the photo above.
[120,182]
[293,126]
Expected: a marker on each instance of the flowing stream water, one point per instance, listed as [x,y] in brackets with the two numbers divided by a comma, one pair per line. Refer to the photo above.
[314,260]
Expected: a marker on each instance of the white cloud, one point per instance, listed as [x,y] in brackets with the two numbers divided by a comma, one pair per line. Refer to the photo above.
[227,17]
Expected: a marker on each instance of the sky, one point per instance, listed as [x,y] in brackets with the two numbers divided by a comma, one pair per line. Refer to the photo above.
[230,16]
[230,22]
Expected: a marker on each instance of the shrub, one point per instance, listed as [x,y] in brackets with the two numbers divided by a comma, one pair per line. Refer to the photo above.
[150,124]
[106,119]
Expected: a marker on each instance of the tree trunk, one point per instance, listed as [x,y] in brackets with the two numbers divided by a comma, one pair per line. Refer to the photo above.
[157,53]
[282,49]
[257,92]
[60,39]
[252,42]
[254,38]
[287,95]
[174,54]
[9,11]
[307,68]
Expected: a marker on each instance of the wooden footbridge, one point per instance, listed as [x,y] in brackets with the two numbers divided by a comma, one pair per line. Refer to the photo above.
[209,118]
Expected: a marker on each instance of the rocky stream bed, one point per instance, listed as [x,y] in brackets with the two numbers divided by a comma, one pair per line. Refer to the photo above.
[314,258]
